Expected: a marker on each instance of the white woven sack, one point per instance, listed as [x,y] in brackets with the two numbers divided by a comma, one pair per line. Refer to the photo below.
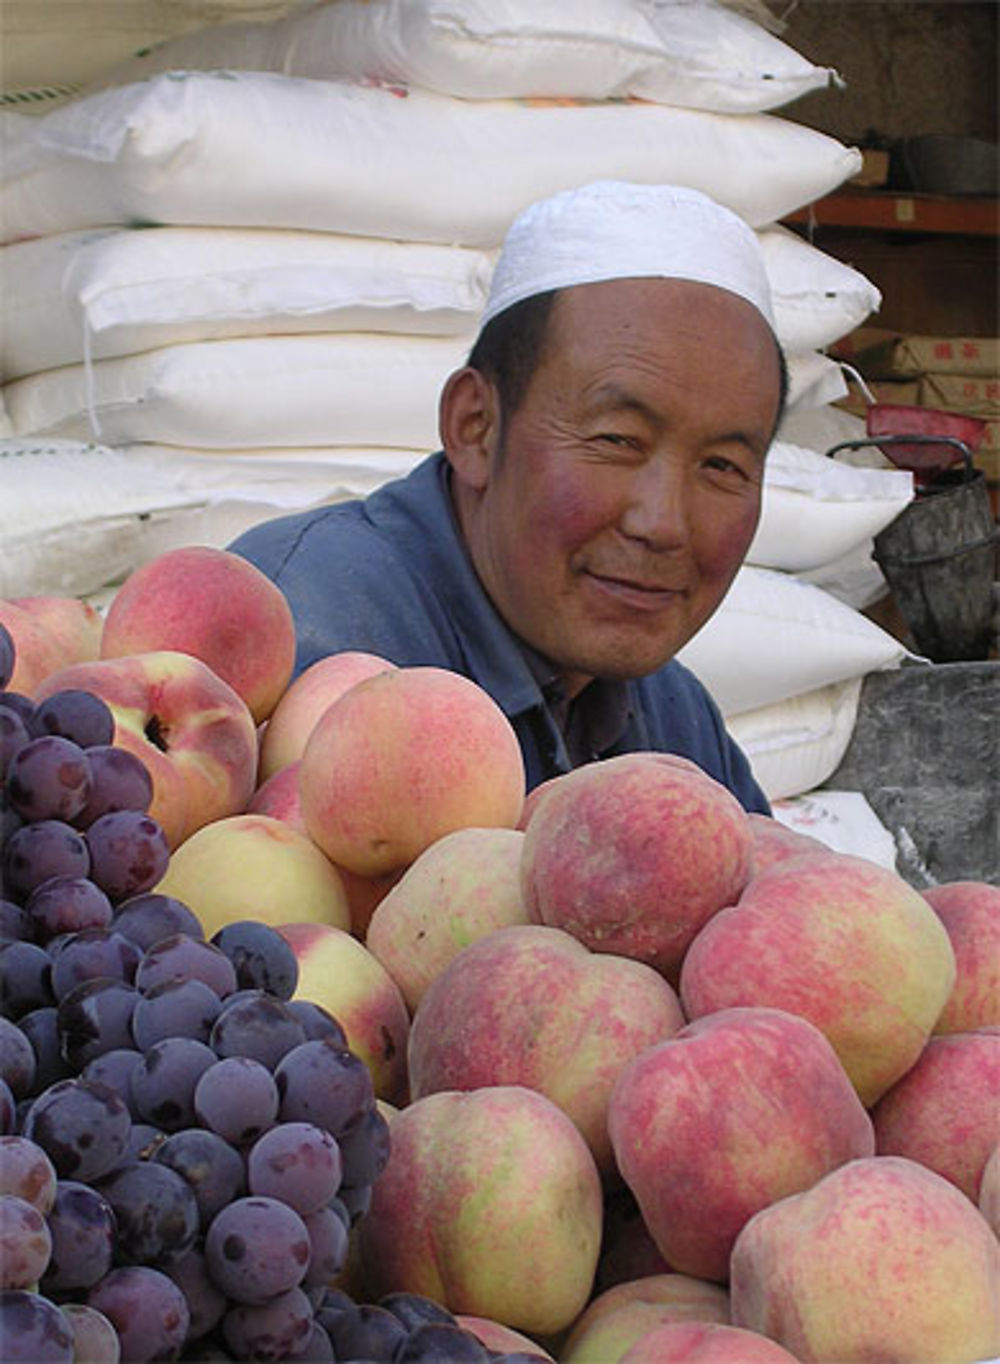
[814,380]
[796,744]
[815,510]
[775,636]
[350,388]
[694,54]
[265,150]
[112,292]
[75,516]
[817,299]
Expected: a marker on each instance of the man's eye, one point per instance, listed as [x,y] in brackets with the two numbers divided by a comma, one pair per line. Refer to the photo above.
[726,466]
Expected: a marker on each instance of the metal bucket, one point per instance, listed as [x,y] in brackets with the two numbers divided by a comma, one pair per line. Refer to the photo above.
[939,558]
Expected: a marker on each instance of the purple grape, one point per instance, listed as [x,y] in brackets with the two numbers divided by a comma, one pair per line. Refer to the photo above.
[414,1309]
[14,922]
[156,1215]
[27,1172]
[356,1200]
[25,978]
[256,1248]
[38,851]
[364,1149]
[114,1068]
[88,954]
[259,1026]
[317,1021]
[49,778]
[147,1309]
[83,1228]
[7,1108]
[367,1332]
[8,656]
[322,1083]
[237,1098]
[175,1008]
[119,780]
[328,1244]
[296,1162]
[212,1168]
[95,1340]
[41,1028]
[438,1342]
[83,1127]
[14,737]
[129,853]
[144,1141]
[33,1330]
[316,1350]
[74,714]
[261,956]
[180,957]
[205,1303]
[148,919]
[333,1303]
[25,1243]
[66,904]
[273,1330]
[95,1017]
[165,1081]
[18,1062]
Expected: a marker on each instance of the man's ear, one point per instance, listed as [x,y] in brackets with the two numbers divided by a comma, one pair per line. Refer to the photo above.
[469,424]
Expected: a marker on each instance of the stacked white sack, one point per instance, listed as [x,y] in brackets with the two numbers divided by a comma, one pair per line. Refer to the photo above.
[229,345]
[164,334]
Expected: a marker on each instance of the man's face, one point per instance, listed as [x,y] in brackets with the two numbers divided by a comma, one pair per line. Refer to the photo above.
[624,491]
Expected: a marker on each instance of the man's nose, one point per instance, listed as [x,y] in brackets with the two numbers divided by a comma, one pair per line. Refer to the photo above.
[657,510]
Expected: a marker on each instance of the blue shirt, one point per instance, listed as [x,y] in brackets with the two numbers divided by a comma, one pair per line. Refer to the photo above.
[390,575]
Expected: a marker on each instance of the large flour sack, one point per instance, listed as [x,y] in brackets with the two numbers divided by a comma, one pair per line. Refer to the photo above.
[796,744]
[105,292]
[775,637]
[350,388]
[109,292]
[816,511]
[817,298]
[76,516]
[262,150]
[693,53]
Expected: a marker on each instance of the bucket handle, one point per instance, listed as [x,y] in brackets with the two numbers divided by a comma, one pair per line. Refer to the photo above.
[879,441]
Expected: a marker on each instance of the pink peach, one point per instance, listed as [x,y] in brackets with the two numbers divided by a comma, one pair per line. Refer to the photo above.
[634,854]
[214,605]
[403,758]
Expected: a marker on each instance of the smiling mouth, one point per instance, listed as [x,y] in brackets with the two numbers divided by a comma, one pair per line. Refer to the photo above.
[648,596]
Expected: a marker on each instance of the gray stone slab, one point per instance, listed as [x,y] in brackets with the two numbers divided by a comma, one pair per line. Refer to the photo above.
[925,752]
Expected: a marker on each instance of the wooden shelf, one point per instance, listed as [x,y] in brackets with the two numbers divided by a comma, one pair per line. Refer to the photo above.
[891,211]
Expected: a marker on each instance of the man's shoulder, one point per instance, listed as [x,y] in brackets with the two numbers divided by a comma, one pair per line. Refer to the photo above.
[370,534]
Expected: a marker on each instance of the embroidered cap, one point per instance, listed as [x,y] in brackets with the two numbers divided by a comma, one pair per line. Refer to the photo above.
[613,229]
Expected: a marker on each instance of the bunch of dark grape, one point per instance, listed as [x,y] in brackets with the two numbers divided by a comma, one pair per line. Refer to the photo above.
[184,1147]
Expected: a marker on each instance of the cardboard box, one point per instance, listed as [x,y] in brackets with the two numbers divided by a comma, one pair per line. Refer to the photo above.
[969,393]
[882,354]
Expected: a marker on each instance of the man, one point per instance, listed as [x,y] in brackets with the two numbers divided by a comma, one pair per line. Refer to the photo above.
[598,488]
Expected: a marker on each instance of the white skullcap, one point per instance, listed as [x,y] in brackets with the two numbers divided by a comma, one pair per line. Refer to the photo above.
[615,230]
